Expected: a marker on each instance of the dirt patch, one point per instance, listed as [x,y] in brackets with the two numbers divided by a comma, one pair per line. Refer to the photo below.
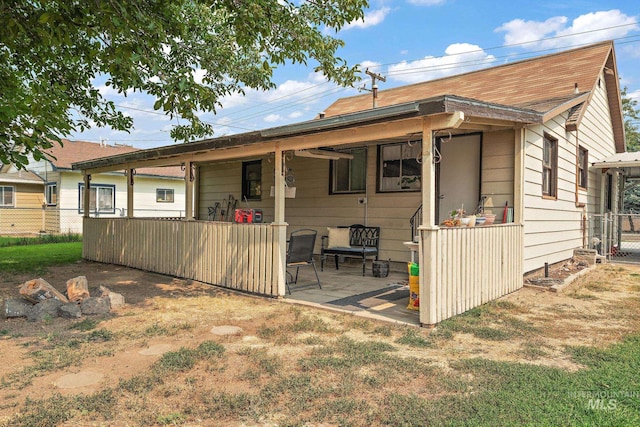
[556,273]
[529,326]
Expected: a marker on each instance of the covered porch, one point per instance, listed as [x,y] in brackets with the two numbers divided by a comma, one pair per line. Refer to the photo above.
[461,267]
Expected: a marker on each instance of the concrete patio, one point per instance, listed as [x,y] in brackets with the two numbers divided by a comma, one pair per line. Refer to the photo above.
[346,290]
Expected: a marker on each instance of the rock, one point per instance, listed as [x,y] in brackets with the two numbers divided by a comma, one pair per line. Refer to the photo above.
[77,289]
[545,281]
[93,305]
[70,310]
[116,299]
[37,290]
[44,310]
[16,307]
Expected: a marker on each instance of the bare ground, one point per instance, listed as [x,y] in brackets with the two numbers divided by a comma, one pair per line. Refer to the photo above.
[597,309]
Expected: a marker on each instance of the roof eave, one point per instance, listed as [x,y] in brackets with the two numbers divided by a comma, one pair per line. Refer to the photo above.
[437,105]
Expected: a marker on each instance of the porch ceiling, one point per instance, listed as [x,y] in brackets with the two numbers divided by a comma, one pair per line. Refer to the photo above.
[397,121]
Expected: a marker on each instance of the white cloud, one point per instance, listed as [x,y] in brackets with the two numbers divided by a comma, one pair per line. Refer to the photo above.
[427,2]
[295,114]
[458,58]
[370,19]
[368,64]
[521,31]
[635,95]
[270,118]
[108,91]
[198,75]
[588,28]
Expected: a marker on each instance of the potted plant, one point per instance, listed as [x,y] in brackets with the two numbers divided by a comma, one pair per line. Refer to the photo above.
[406,181]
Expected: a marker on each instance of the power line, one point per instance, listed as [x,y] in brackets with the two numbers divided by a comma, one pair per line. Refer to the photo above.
[333,91]
[478,62]
[484,60]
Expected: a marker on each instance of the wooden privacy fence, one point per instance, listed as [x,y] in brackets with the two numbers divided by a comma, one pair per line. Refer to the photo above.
[470,266]
[236,256]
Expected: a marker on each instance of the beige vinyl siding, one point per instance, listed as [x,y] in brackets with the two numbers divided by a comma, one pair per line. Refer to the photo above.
[25,216]
[313,207]
[219,180]
[553,227]
[28,195]
[596,135]
[498,150]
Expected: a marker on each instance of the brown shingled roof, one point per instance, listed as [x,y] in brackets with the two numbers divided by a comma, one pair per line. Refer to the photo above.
[62,156]
[533,83]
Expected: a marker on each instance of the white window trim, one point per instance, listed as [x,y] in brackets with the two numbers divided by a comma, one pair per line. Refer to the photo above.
[48,194]
[334,171]
[412,183]
[97,187]
[165,191]
[13,196]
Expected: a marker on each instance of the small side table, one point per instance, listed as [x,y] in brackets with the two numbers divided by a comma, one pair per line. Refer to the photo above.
[413,247]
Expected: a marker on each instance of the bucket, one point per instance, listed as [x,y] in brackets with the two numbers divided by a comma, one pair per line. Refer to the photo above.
[380,268]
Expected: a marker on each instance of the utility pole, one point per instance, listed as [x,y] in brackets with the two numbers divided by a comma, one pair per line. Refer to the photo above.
[374,86]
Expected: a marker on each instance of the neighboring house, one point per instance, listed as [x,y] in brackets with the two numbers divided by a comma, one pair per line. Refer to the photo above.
[160,189]
[518,136]
[21,199]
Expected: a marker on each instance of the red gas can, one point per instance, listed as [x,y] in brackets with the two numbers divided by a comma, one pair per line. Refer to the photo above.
[248,215]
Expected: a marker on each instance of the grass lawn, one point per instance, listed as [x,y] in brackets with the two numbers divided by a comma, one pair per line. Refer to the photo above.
[35,258]
[532,358]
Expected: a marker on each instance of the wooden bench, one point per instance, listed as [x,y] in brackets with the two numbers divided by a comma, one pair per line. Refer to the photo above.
[364,242]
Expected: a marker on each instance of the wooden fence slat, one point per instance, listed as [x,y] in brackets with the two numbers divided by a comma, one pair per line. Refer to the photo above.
[237,256]
[473,266]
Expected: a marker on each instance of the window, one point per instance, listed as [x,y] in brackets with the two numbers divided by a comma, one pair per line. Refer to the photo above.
[6,196]
[164,195]
[51,194]
[399,168]
[252,180]
[583,167]
[550,167]
[102,198]
[349,175]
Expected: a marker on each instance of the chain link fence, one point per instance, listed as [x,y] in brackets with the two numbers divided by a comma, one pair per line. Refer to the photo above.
[53,220]
[616,236]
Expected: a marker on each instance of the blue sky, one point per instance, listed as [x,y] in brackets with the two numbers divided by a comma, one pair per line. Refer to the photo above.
[409,41]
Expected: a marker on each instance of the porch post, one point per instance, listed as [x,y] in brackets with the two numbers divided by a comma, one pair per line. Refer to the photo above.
[196,190]
[188,191]
[279,224]
[86,202]
[428,249]
[130,173]
[603,186]
[518,177]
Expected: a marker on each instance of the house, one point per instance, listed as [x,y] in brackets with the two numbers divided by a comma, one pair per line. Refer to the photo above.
[56,190]
[20,190]
[516,140]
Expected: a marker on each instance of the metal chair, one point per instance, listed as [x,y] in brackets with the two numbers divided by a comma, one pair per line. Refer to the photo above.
[300,254]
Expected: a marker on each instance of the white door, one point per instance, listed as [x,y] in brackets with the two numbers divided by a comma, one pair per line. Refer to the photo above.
[459,175]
